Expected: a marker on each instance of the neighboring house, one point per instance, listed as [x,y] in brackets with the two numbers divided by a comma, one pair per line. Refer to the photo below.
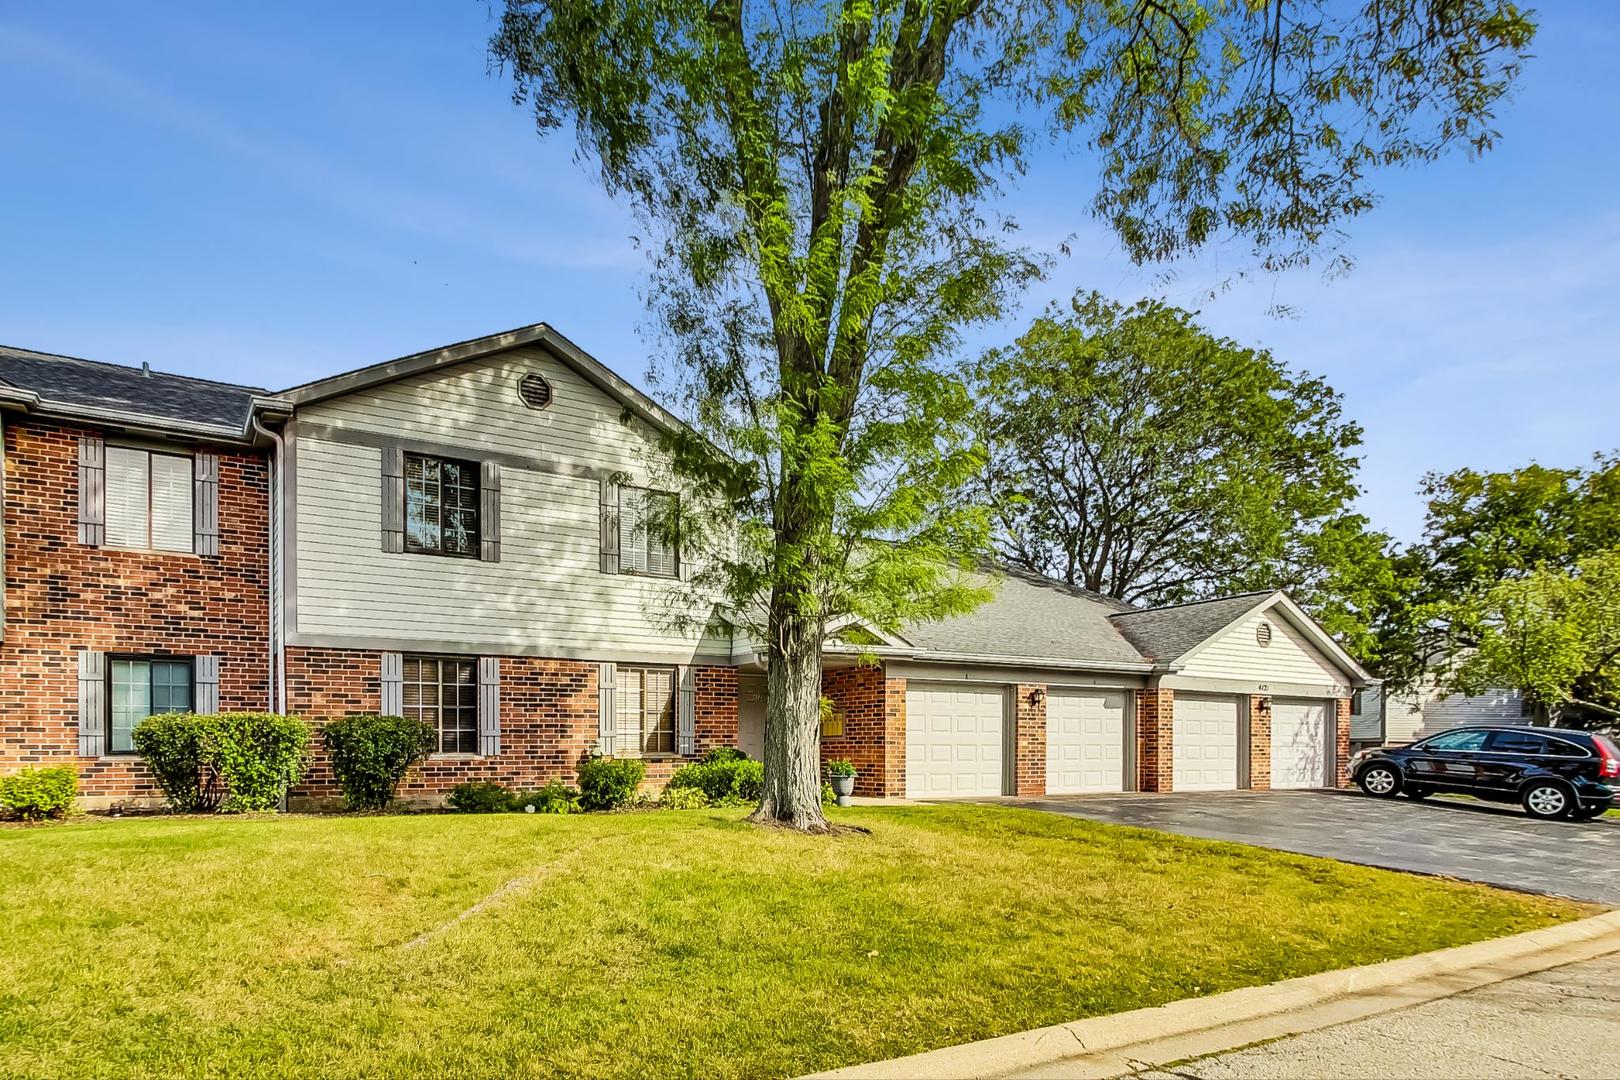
[1377,718]
[459,535]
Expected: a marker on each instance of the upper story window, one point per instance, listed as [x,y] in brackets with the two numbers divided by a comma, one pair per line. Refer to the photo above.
[441,506]
[149,500]
[645,546]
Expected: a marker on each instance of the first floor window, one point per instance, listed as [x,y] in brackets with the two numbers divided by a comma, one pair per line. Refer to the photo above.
[149,500]
[645,707]
[142,688]
[444,692]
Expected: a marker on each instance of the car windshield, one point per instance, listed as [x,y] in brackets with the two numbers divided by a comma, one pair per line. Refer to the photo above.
[1456,740]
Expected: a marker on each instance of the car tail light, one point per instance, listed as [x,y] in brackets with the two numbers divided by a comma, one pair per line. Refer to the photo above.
[1609,758]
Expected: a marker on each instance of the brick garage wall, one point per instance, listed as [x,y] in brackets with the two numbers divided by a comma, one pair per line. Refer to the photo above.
[873,707]
[62,597]
[548,721]
[1259,742]
[1155,733]
[1341,744]
[1029,739]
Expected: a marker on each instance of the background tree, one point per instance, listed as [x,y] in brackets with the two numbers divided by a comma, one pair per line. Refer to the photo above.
[819,183]
[1135,454]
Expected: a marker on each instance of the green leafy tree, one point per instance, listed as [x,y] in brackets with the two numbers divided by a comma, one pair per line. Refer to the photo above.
[1134,454]
[820,182]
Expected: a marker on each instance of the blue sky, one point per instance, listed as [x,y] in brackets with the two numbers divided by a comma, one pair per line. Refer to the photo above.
[271,192]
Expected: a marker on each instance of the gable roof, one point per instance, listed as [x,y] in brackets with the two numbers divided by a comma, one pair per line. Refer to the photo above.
[540,334]
[120,394]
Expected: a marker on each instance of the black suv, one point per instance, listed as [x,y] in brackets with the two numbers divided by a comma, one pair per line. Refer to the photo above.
[1551,772]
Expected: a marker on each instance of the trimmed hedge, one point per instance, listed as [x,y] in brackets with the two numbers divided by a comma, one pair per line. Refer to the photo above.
[370,755]
[229,762]
[727,778]
[35,794]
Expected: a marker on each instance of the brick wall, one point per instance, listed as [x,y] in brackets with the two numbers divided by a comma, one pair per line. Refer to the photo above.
[548,721]
[873,708]
[1029,739]
[1341,744]
[1259,742]
[62,596]
[1155,733]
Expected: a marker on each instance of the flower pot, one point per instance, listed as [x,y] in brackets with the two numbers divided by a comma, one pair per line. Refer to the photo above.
[843,787]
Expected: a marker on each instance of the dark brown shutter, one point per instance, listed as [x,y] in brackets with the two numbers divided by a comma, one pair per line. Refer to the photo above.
[393,499]
[92,491]
[205,505]
[489,512]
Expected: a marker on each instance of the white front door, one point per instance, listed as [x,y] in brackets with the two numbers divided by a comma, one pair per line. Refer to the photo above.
[1085,741]
[954,739]
[1301,743]
[751,716]
[1205,742]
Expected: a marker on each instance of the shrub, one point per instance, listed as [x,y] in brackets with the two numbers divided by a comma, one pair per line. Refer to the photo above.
[724,781]
[481,797]
[370,755]
[555,798]
[173,747]
[840,767]
[827,796]
[609,783]
[724,753]
[39,793]
[682,798]
[229,762]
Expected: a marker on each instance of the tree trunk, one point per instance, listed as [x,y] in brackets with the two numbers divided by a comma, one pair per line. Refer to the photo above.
[792,795]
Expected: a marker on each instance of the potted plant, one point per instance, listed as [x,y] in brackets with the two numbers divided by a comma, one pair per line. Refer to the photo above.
[841,774]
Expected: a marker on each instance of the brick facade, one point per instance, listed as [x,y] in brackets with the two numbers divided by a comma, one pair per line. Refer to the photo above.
[1341,744]
[873,708]
[1155,737]
[1259,742]
[63,597]
[1029,739]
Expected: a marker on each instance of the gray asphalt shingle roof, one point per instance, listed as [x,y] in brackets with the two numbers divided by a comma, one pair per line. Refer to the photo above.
[70,381]
[1033,616]
[1167,632]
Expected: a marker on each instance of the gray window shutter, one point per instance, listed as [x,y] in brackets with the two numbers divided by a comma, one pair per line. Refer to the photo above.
[92,491]
[205,673]
[610,526]
[393,684]
[205,505]
[489,512]
[686,712]
[489,705]
[393,500]
[606,721]
[92,704]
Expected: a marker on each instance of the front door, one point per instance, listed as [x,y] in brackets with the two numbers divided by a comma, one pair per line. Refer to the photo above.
[751,716]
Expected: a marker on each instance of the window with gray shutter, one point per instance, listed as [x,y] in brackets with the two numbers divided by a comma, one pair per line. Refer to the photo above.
[206,675]
[489,503]
[205,500]
[92,491]
[686,713]
[606,709]
[393,684]
[393,503]
[489,705]
[610,525]
[92,704]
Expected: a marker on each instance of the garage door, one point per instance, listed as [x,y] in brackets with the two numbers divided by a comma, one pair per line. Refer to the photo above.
[1085,741]
[1300,744]
[1206,742]
[953,739]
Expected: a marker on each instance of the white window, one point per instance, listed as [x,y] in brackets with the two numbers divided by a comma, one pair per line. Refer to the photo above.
[149,500]
[645,521]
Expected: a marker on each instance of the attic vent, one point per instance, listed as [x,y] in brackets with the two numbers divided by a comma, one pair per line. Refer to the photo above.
[1262,633]
[534,391]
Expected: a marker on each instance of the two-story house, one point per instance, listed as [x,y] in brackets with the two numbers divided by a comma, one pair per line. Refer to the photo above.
[460,535]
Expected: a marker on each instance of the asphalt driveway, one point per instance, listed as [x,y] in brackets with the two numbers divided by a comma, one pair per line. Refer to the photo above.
[1472,841]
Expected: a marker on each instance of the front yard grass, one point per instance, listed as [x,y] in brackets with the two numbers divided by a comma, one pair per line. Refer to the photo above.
[668,944]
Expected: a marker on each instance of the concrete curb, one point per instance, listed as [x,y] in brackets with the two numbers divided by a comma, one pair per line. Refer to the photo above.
[1107,1046]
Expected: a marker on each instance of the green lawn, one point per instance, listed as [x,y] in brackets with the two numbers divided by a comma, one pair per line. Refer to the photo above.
[650,944]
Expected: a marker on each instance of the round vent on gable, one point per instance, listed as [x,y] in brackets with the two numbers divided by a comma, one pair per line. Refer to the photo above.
[534,391]
[1262,633]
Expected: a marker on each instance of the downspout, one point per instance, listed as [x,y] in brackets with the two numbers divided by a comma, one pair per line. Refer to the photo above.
[277,534]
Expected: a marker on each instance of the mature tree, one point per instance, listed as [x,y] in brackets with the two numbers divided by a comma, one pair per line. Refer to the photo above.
[1135,454]
[819,182]
[1555,636]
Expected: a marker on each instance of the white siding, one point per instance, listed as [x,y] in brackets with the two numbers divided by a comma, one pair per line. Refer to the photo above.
[1290,658]
[1427,711]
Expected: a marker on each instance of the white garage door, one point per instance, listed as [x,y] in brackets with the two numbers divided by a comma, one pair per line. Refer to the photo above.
[953,739]
[1085,741]
[1206,742]
[1300,744]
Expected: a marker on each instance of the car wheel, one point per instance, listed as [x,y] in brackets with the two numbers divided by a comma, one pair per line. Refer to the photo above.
[1414,792]
[1547,801]
[1379,780]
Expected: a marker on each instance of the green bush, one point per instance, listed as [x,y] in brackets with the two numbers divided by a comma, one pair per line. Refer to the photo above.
[609,783]
[555,798]
[840,767]
[481,797]
[229,762]
[724,753]
[173,747]
[682,798]
[370,755]
[725,781]
[38,793]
